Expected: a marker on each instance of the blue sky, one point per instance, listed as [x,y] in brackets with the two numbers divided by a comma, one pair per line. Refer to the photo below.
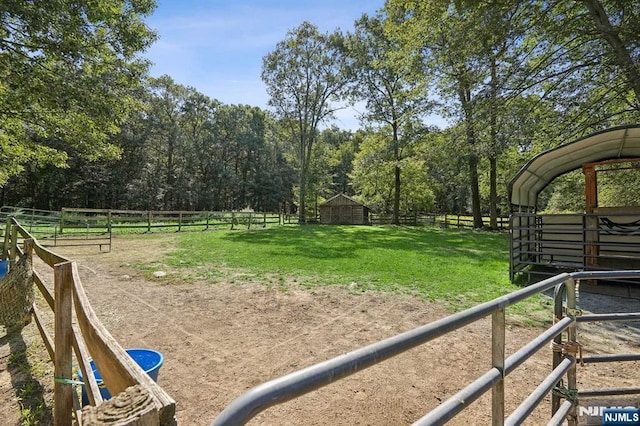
[217,46]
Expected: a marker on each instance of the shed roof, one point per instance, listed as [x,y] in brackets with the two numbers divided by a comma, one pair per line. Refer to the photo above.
[336,199]
[533,177]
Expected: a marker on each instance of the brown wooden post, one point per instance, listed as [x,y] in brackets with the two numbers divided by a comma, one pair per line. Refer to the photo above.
[7,236]
[592,249]
[132,407]
[63,392]
[61,221]
[27,249]
[13,251]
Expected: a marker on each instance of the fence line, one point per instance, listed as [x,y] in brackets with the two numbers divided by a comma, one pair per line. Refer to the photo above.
[442,220]
[148,220]
[78,331]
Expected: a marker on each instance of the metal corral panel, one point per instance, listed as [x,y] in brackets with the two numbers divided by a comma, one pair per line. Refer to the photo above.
[561,239]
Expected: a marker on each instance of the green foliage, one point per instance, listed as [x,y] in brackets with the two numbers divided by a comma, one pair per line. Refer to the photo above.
[614,186]
[181,150]
[514,79]
[460,267]
[66,72]
[373,176]
[565,194]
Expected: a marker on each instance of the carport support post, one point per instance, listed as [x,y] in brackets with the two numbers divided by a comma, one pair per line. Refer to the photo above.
[592,249]
[497,359]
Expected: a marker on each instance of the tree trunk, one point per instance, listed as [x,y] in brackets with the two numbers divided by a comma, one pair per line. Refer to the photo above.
[493,192]
[396,194]
[465,100]
[493,162]
[302,217]
[475,190]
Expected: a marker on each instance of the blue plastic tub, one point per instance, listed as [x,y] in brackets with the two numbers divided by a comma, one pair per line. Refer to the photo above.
[4,268]
[148,359]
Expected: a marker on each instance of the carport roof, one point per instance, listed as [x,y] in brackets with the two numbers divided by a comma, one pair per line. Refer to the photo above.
[614,143]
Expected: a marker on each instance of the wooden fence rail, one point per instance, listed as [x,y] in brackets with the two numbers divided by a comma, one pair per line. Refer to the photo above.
[443,220]
[148,220]
[79,334]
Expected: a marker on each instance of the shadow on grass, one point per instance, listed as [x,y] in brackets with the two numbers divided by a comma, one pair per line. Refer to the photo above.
[344,241]
[28,389]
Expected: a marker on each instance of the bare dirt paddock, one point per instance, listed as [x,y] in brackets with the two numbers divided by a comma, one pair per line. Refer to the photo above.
[221,338]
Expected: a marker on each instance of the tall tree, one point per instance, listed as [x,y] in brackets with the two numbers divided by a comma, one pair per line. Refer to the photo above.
[166,141]
[445,35]
[67,69]
[394,96]
[303,75]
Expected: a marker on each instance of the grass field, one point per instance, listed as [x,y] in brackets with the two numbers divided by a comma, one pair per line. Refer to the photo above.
[460,268]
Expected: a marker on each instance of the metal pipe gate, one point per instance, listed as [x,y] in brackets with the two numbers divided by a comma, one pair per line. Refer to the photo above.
[566,315]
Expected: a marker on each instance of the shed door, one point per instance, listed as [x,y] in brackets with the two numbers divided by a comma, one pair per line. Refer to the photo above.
[345,214]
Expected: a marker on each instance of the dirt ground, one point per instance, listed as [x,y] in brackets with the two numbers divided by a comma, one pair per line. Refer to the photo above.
[220,337]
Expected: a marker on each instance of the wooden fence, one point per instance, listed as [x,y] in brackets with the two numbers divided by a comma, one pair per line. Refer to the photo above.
[147,221]
[81,227]
[74,226]
[442,220]
[78,335]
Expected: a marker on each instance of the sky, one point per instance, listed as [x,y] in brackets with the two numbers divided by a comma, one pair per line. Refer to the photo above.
[217,46]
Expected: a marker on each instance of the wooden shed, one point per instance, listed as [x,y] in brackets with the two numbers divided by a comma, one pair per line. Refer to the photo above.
[343,210]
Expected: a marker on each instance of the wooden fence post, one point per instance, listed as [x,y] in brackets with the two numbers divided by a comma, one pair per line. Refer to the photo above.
[134,406]
[63,392]
[13,251]
[148,221]
[7,241]
[61,221]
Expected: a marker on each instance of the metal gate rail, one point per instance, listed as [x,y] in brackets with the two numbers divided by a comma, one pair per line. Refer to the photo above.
[311,378]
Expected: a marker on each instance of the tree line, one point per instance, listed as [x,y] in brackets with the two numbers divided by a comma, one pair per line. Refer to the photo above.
[83,125]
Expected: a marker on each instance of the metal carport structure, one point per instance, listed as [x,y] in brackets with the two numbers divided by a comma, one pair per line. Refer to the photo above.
[583,240]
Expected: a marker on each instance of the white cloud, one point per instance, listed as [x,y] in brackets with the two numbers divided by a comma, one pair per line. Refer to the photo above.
[217,46]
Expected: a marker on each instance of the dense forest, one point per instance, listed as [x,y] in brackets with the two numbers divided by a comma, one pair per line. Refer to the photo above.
[82,124]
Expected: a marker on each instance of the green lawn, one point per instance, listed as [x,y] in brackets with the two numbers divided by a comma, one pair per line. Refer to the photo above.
[462,268]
